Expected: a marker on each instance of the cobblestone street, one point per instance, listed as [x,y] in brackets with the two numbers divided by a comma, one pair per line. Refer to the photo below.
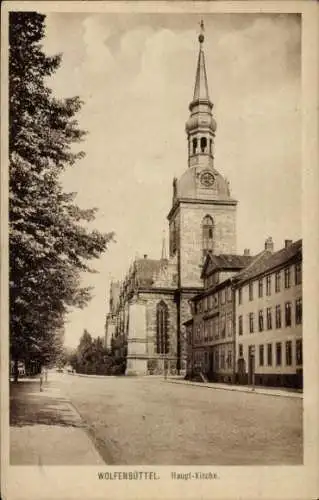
[152,421]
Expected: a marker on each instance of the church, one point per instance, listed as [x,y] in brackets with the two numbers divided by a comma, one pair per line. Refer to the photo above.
[148,310]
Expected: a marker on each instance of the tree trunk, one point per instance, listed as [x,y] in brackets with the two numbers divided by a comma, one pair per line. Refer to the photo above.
[15,371]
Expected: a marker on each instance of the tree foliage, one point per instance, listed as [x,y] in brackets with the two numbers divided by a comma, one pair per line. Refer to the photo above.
[49,242]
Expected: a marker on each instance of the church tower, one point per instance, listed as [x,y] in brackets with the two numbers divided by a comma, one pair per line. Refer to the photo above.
[203,214]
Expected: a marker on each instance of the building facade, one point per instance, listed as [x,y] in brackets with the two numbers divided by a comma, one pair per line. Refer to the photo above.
[268,300]
[212,348]
[202,219]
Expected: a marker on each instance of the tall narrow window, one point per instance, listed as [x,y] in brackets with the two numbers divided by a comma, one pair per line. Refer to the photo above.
[278,353]
[261,355]
[298,313]
[288,353]
[288,313]
[194,146]
[251,322]
[277,282]
[203,144]
[269,318]
[260,288]
[299,352]
[278,316]
[287,277]
[261,320]
[269,354]
[207,234]
[251,290]
[162,342]
[268,285]
[298,273]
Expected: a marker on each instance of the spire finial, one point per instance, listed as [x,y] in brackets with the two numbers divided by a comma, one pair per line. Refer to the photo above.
[201,37]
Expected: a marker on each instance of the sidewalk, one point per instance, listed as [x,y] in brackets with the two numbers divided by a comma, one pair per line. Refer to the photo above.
[45,429]
[269,391]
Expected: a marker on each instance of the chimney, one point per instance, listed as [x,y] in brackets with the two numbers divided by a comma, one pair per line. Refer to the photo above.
[246,252]
[145,256]
[288,243]
[269,244]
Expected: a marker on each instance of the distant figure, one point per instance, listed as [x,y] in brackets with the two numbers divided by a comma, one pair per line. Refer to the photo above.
[45,374]
[41,379]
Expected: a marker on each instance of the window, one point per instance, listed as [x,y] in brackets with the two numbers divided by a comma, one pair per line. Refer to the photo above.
[298,311]
[261,355]
[207,234]
[261,320]
[229,359]
[162,341]
[298,273]
[194,146]
[269,354]
[240,348]
[278,317]
[288,313]
[278,353]
[251,291]
[269,318]
[240,325]
[240,296]
[260,288]
[288,353]
[223,326]
[277,282]
[203,144]
[229,325]
[299,352]
[268,285]
[251,322]
[287,277]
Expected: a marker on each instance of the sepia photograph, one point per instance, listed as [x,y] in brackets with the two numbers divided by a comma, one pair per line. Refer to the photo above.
[155,240]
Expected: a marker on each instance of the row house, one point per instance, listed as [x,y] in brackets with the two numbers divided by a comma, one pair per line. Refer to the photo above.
[268,302]
[246,325]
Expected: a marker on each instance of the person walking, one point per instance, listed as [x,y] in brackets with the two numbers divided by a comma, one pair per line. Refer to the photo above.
[46,374]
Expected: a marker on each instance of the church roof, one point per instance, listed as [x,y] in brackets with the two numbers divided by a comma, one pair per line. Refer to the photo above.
[146,270]
[267,261]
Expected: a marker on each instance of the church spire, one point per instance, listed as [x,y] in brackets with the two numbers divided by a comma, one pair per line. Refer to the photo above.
[201,85]
[201,126]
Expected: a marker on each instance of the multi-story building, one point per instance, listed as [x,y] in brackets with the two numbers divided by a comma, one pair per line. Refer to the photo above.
[202,218]
[268,300]
[211,332]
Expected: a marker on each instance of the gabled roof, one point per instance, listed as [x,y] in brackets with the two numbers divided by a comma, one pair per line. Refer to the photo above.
[267,261]
[146,270]
[226,261]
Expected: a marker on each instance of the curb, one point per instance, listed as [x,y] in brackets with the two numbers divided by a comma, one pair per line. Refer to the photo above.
[293,395]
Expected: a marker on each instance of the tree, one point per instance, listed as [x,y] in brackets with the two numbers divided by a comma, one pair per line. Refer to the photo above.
[49,242]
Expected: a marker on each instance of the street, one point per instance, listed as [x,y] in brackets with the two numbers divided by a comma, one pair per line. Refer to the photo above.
[151,421]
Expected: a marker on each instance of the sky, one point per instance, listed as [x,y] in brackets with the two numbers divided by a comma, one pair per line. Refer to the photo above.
[135,74]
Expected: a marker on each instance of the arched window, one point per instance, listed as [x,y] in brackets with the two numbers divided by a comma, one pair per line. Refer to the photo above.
[203,144]
[207,234]
[194,146]
[162,342]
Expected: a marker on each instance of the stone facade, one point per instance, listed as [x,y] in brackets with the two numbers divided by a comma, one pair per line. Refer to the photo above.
[155,295]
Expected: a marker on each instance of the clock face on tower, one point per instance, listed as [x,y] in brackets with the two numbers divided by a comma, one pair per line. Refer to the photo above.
[207,179]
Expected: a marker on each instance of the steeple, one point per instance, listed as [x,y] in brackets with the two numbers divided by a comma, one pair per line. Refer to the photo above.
[201,85]
[201,126]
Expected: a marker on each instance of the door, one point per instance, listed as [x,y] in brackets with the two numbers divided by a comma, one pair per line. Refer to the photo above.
[251,365]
